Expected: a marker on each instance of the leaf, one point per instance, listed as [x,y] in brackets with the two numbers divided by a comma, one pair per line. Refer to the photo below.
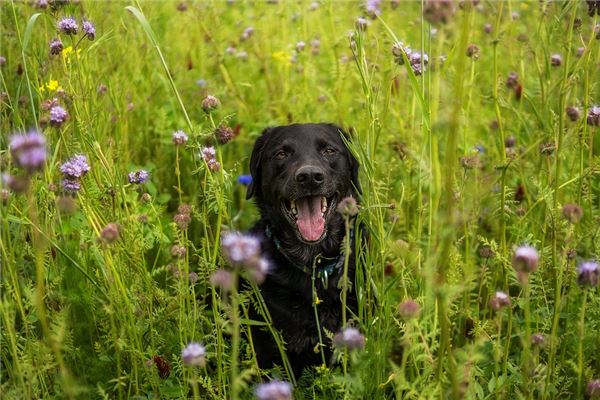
[29,31]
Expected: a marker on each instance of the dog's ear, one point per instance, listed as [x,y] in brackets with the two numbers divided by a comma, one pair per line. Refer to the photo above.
[351,159]
[255,160]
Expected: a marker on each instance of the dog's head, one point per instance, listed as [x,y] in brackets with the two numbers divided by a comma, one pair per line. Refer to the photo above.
[299,174]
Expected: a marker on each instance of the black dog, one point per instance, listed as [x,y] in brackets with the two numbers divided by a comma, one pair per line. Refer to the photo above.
[300,173]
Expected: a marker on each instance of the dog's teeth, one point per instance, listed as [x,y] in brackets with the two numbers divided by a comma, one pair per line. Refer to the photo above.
[323,204]
[294,209]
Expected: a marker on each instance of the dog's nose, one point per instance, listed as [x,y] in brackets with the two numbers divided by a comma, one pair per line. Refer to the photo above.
[310,175]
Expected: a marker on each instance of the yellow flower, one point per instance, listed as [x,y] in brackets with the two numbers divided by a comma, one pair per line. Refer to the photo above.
[282,57]
[318,301]
[52,85]
[68,51]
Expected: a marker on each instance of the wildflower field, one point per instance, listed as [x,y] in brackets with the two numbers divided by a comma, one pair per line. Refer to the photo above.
[127,128]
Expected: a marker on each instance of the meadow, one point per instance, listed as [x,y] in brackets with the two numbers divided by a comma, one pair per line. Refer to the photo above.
[127,128]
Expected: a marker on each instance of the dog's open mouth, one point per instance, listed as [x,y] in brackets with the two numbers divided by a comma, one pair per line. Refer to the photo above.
[309,214]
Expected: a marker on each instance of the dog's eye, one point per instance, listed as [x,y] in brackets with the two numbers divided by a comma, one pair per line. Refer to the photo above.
[328,151]
[280,155]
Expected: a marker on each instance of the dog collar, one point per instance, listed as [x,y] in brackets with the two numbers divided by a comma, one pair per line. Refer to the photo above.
[322,266]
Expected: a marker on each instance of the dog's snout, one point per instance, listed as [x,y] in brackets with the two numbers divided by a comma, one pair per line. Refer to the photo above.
[310,175]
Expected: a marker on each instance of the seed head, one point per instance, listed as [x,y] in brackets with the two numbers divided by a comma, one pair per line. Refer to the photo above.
[409,309]
[89,29]
[300,46]
[194,355]
[499,301]
[56,46]
[28,150]
[512,81]
[185,209]
[162,366]
[179,138]
[178,251]
[210,103]
[182,220]
[573,113]
[224,134]
[193,277]
[438,11]
[572,212]
[274,390]
[487,28]
[525,259]
[547,148]
[110,233]
[138,177]
[580,51]
[473,51]
[588,274]
[538,340]
[349,338]
[66,204]
[348,207]
[593,7]
[68,26]
[58,116]
[556,60]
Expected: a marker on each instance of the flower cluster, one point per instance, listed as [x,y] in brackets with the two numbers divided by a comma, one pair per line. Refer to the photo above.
[348,207]
[417,60]
[210,103]
[244,252]
[110,233]
[588,274]
[209,155]
[183,217]
[274,390]
[68,26]
[194,355]
[409,309]
[139,176]
[499,301]
[373,8]
[58,116]
[593,117]
[73,170]
[525,260]
[224,134]
[28,150]
[179,138]
[349,338]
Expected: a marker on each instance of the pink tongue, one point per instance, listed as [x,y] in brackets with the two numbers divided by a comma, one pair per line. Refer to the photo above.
[310,221]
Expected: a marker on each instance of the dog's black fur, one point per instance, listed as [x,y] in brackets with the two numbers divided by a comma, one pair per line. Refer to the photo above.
[288,163]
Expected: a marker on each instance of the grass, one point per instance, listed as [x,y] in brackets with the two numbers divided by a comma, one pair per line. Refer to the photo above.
[447,196]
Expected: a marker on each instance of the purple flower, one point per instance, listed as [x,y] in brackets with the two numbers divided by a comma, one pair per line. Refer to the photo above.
[76,167]
[222,279]
[300,46]
[373,7]
[210,103]
[240,249]
[593,117]
[208,153]
[56,46]
[274,390]
[244,180]
[58,115]
[180,138]
[247,33]
[139,176]
[28,150]
[68,26]
[201,83]
[525,259]
[409,309]
[194,355]
[362,23]
[71,185]
[110,233]
[593,386]
[348,207]
[2,60]
[499,301]
[89,29]
[349,338]
[588,274]
[224,134]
